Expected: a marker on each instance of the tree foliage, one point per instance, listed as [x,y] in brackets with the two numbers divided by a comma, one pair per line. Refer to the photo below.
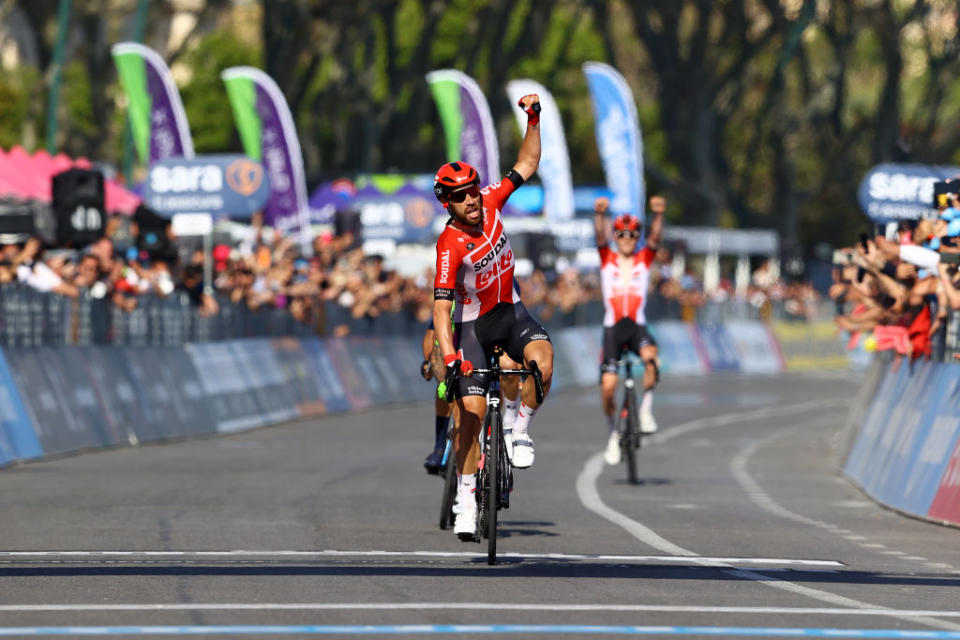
[754,112]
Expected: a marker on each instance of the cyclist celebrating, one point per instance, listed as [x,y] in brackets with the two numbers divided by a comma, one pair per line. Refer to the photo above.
[475,265]
[624,278]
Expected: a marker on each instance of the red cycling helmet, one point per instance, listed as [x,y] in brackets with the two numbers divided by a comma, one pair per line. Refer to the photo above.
[453,175]
[626,222]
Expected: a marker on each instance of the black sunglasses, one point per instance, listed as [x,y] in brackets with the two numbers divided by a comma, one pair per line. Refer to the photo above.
[461,194]
[626,234]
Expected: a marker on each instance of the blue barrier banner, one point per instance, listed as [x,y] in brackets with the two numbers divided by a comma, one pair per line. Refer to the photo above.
[678,353]
[157,401]
[187,390]
[257,360]
[227,391]
[719,348]
[86,402]
[917,407]
[357,389]
[929,458]
[945,505]
[46,398]
[108,371]
[17,438]
[292,360]
[564,360]
[325,375]
[755,348]
[381,372]
[868,432]
[580,347]
[405,356]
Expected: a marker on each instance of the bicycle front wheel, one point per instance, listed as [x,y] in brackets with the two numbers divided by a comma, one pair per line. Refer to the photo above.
[493,484]
[449,488]
[631,435]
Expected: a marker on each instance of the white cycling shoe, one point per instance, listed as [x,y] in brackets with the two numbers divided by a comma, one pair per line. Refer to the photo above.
[508,443]
[612,454]
[522,455]
[647,424]
[465,525]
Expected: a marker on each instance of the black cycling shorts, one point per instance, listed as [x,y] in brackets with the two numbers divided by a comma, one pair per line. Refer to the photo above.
[509,325]
[625,334]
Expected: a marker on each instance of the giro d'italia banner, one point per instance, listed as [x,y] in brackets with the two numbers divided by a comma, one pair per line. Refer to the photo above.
[157,118]
[467,123]
[269,136]
[618,137]
[554,168]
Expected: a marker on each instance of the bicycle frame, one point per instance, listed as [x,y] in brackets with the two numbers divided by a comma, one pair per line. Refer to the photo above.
[630,438]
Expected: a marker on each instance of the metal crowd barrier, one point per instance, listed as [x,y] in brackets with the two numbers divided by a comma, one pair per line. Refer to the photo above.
[29,318]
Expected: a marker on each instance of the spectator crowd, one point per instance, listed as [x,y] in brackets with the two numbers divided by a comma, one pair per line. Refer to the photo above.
[338,284]
[896,293]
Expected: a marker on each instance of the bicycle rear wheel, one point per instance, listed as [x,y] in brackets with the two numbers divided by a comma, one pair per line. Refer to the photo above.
[631,435]
[493,484]
[449,488]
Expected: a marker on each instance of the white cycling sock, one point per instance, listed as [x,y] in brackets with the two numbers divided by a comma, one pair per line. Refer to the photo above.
[647,403]
[611,424]
[510,408]
[466,485]
[524,416]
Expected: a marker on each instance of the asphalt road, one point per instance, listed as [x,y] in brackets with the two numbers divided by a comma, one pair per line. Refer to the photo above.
[741,526]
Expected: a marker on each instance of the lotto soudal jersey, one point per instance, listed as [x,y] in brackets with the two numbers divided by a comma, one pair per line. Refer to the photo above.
[625,285]
[475,268]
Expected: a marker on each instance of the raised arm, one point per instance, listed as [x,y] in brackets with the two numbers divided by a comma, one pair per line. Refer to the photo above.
[657,206]
[600,206]
[528,159]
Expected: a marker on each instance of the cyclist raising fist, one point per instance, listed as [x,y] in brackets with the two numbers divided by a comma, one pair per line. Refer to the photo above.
[475,265]
[624,279]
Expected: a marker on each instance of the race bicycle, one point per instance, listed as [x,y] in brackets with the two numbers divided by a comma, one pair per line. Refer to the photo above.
[449,473]
[628,424]
[495,477]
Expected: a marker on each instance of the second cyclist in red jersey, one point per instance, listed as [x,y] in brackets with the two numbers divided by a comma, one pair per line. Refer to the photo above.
[475,264]
[624,280]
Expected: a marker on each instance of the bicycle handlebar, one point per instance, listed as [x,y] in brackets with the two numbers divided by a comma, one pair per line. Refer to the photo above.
[533,371]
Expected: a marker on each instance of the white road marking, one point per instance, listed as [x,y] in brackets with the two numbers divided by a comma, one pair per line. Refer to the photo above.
[468,606]
[590,497]
[58,556]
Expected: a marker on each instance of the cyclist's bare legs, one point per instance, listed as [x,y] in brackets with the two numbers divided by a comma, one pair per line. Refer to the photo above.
[541,352]
[648,354]
[471,410]
[608,392]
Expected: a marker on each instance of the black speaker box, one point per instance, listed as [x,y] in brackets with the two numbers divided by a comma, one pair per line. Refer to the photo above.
[78,204]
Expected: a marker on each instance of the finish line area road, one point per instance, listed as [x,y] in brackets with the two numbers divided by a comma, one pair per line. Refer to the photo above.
[741,526]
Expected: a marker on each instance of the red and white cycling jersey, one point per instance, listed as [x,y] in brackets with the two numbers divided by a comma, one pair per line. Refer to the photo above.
[625,290]
[478,265]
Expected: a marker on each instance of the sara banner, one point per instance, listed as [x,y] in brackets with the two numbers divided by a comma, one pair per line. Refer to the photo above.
[269,136]
[467,123]
[554,168]
[157,118]
[618,137]
[231,184]
[891,192]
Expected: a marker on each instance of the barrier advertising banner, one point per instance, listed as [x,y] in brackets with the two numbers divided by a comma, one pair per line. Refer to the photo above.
[675,341]
[107,368]
[157,118]
[46,399]
[718,347]
[298,376]
[17,438]
[467,123]
[231,403]
[756,348]
[618,137]
[814,345]
[265,379]
[356,388]
[325,375]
